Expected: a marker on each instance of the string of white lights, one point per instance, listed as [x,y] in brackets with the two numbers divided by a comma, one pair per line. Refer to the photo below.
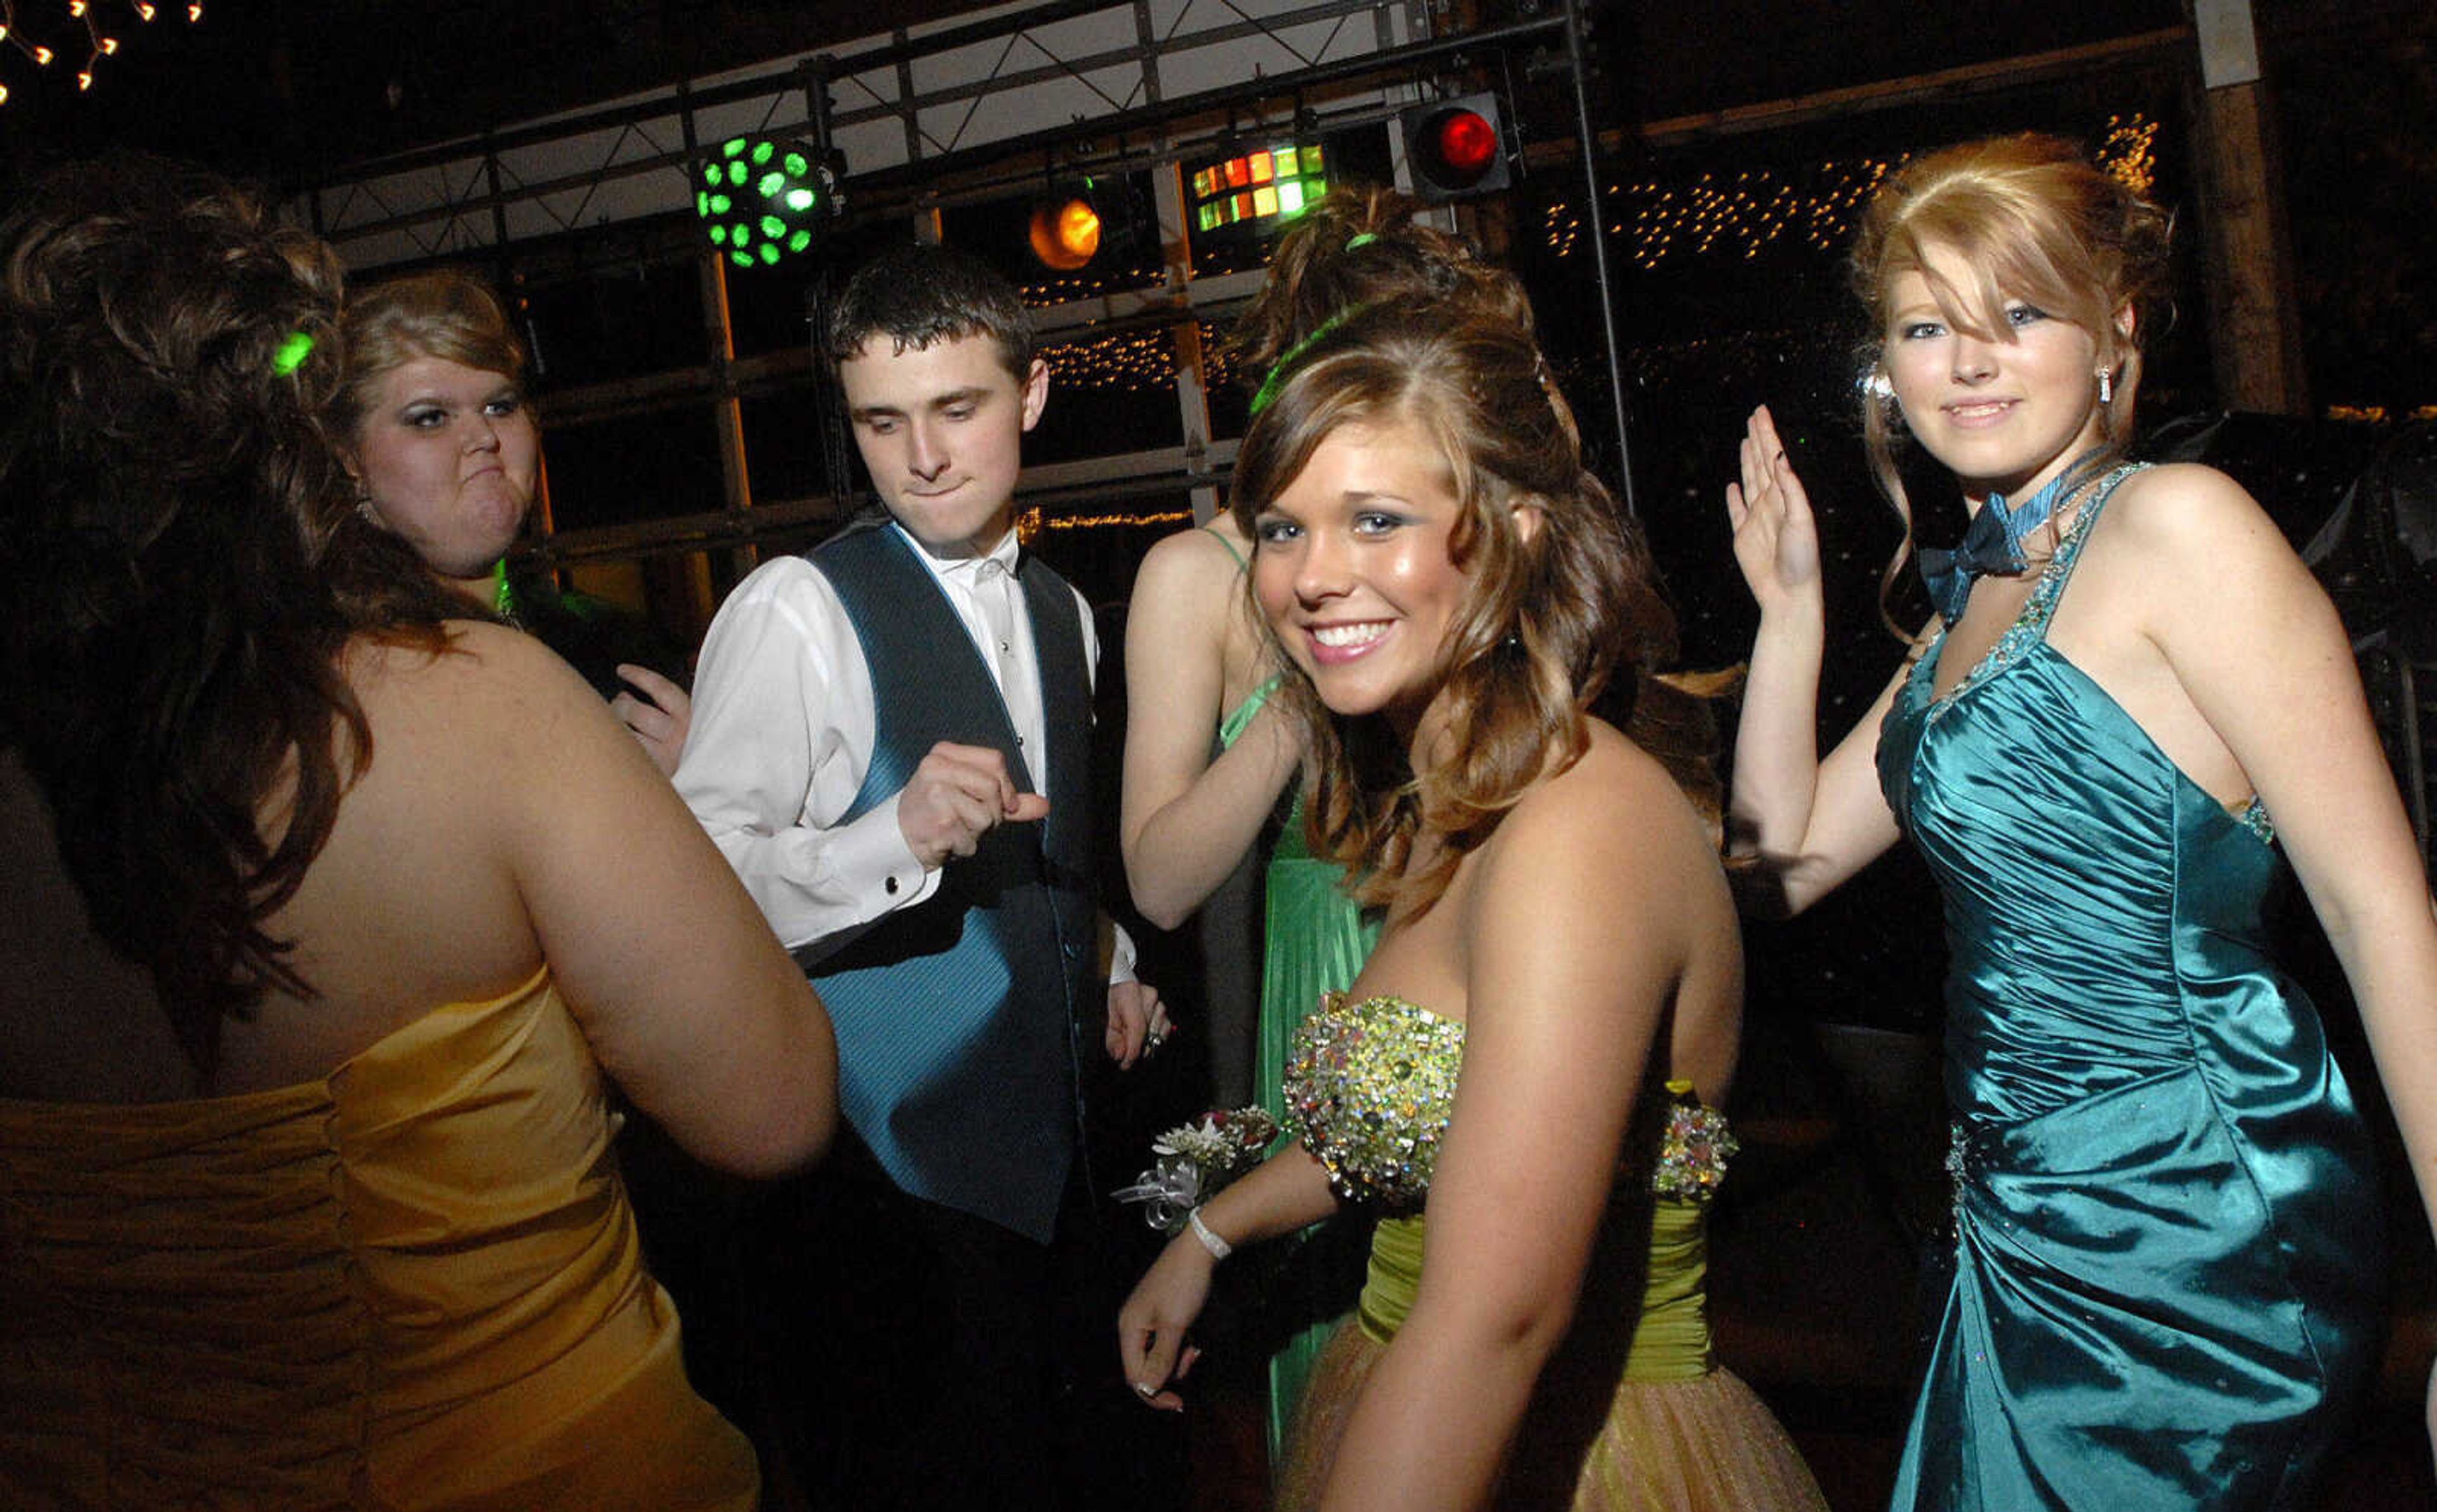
[100,40]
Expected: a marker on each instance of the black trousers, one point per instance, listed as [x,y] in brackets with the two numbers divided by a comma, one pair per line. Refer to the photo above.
[921,1357]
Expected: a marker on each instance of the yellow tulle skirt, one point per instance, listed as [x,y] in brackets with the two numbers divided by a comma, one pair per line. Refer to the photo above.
[1703,1445]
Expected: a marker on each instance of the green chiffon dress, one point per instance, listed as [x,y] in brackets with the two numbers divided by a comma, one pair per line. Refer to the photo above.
[1314,940]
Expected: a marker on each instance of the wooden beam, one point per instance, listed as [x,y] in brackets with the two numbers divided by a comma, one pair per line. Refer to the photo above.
[2247,244]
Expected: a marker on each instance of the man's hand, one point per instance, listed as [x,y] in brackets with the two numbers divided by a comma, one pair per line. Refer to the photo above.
[957,795]
[658,712]
[1138,1022]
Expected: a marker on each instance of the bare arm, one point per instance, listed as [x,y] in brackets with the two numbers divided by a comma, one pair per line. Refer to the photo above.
[1813,822]
[681,989]
[1288,1193]
[1187,819]
[1588,915]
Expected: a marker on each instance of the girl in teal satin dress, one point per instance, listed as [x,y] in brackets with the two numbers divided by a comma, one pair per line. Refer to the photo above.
[1450,590]
[2167,1284]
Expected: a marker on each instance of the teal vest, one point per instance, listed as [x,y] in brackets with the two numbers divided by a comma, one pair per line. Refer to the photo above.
[957,1018]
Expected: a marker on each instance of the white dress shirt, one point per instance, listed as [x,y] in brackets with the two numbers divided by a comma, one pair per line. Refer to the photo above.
[782,736]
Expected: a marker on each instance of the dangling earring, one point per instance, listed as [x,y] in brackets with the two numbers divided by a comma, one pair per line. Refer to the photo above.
[2105,386]
[1879,386]
[364,505]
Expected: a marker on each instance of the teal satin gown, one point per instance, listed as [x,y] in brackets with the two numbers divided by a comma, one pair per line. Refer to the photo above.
[2167,1265]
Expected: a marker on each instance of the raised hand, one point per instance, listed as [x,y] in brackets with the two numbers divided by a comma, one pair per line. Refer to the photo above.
[1777,542]
[957,795]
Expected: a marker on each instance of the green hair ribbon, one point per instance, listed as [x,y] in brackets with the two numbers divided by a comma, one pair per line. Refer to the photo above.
[1278,370]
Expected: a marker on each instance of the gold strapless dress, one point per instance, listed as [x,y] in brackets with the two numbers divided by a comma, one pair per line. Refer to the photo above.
[413,1284]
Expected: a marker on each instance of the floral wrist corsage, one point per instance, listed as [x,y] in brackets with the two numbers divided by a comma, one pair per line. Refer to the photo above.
[1194,1160]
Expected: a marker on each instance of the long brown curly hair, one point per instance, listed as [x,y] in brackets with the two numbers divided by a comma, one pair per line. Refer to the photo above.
[1551,616]
[181,565]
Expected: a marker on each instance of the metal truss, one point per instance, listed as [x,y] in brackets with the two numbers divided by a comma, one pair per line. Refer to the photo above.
[906,107]
[927,119]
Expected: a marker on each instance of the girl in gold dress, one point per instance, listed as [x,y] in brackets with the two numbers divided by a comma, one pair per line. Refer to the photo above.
[327,914]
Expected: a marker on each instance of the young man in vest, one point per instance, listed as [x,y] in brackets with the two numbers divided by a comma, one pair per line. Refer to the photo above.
[890,743]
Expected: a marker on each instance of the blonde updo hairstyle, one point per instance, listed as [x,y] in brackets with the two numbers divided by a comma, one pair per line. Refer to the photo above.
[2035,220]
[1550,615]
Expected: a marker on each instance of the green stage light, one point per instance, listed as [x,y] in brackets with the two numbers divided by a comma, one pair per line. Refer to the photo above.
[766,199]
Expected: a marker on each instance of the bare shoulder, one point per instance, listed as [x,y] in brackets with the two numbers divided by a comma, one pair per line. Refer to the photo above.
[491,691]
[479,652]
[1602,899]
[1618,785]
[2192,513]
[1615,821]
[1191,560]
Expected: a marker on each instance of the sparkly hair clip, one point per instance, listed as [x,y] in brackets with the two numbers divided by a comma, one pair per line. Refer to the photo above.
[1284,364]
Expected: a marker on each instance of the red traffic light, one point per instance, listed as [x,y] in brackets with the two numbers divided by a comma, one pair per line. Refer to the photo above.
[1456,147]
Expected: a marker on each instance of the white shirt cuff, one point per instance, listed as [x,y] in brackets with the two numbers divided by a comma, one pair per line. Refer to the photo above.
[870,857]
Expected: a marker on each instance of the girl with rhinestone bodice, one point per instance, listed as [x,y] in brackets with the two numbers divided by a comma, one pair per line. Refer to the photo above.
[1449,590]
[2166,1279]
[1198,658]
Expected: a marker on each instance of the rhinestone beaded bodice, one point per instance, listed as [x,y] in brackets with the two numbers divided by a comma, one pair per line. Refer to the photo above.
[1370,1087]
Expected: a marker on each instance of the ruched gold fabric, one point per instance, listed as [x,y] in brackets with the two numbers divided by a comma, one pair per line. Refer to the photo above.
[415,1284]
[1671,1341]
